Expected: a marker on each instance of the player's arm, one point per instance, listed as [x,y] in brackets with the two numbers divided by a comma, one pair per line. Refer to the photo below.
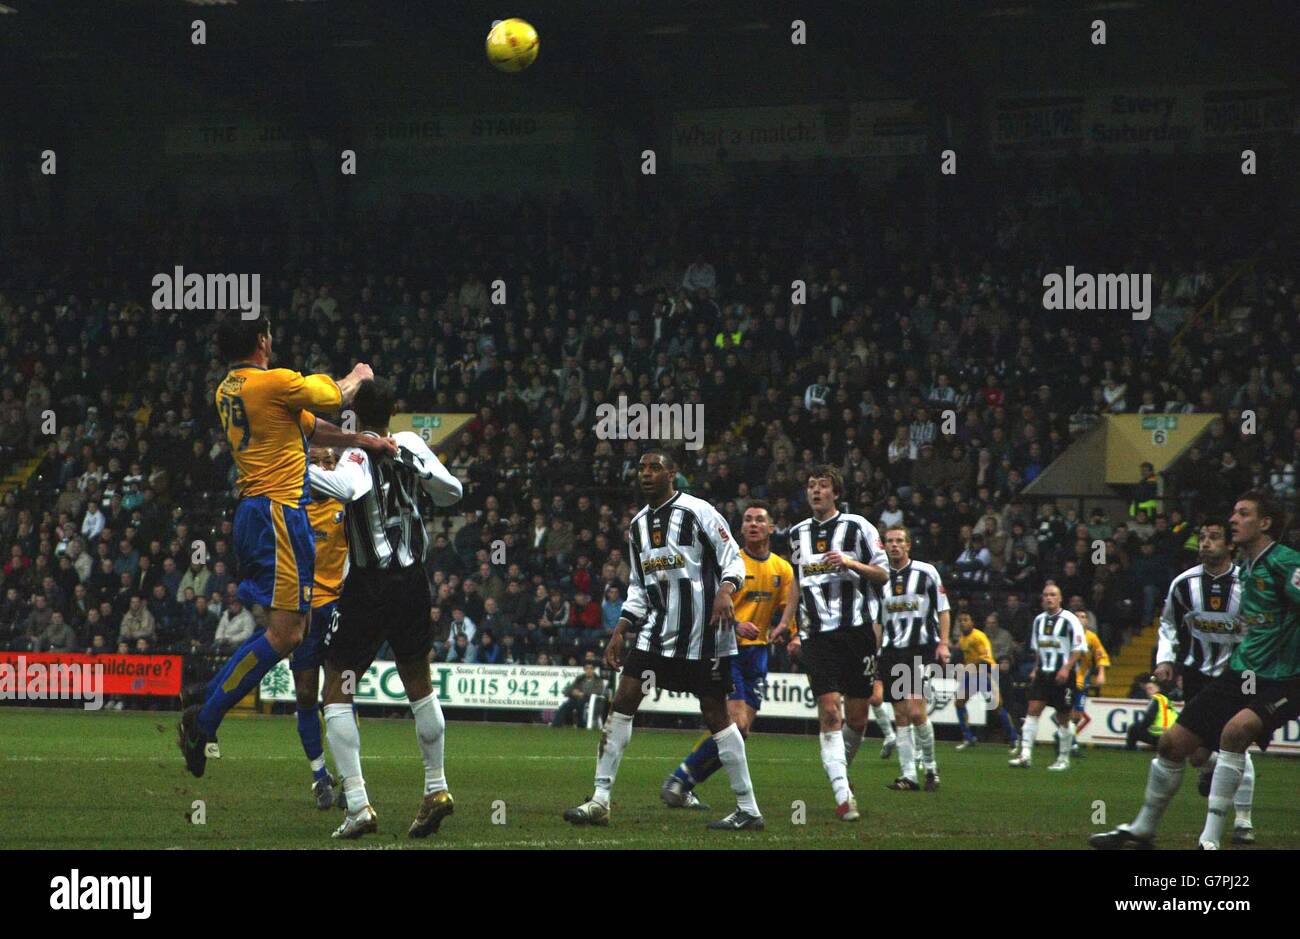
[731,566]
[869,546]
[1285,566]
[321,433]
[788,610]
[1167,644]
[945,629]
[1033,648]
[634,612]
[1103,661]
[347,482]
[1077,649]
[435,479]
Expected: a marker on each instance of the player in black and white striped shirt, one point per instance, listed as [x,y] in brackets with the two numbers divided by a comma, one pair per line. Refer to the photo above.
[837,560]
[1058,640]
[915,620]
[385,597]
[685,568]
[1198,633]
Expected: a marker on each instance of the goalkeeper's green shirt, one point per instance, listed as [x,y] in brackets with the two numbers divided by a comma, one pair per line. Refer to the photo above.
[1270,615]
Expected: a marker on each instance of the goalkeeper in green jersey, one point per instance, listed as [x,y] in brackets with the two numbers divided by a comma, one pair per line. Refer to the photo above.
[1258,692]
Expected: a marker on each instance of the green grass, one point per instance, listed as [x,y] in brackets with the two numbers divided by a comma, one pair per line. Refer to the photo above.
[71,779]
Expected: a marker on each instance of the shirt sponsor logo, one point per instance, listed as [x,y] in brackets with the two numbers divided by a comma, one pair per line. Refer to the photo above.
[655,565]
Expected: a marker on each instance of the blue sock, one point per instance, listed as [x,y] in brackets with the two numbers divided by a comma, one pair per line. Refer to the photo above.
[1007,727]
[242,673]
[309,734]
[965,726]
[701,763]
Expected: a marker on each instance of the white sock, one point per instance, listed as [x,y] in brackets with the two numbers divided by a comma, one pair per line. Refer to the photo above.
[430,730]
[837,769]
[613,741]
[884,716]
[907,753]
[1163,781]
[1245,796]
[345,743]
[731,751]
[1223,787]
[923,734]
[317,764]
[1065,742]
[852,740]
[1028,734]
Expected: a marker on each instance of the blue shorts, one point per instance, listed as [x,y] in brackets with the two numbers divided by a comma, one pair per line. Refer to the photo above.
[1079,700]
[310,655]
[749,675]
[276,553]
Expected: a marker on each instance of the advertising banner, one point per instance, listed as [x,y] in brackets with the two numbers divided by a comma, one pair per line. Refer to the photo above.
[31,675]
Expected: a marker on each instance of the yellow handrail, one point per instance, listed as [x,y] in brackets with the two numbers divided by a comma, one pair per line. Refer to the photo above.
[1213,301]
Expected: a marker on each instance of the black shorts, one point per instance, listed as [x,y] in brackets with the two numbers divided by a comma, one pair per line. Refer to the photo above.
[1275,701]
[1045,688]
[1194,682]
[842,660]
[904,672]
[379,605]
[704,678]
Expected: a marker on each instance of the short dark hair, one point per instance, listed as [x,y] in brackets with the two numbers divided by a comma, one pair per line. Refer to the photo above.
[826,471]
[759,504]
[237,337]
[665,457]
[1267,506]
[907,535]
[374,403]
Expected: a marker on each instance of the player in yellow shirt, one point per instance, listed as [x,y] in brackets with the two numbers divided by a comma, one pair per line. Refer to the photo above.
[759,604]
[979,675]
[1091,673]
[326,516]
[267,417]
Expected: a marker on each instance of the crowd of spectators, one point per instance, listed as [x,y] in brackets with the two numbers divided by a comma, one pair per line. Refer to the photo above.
[925,367]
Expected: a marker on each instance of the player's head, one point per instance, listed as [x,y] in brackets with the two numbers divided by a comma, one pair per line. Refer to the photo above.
[1052,598]
[825,484]
[324,457]
[756,524]
[239,339]
[1084,618]
[965,622]
[1213,547]
[656,472]
[1256,516]
[374,404]
[898,545]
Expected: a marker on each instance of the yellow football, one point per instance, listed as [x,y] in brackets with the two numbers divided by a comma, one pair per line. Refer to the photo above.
[512,45]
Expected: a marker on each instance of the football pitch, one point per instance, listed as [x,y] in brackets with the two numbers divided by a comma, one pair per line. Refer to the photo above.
[71,779]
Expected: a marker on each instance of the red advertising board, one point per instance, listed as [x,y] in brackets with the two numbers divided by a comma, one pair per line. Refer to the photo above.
[122,674]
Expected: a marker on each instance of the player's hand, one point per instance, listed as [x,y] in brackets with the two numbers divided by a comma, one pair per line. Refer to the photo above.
[378,445]
[942,653]
[795,646]
[834,559]
[746,630]
[614,651]
[724,611]
[1062,676]
[778,635]
[363,371]
[1164,672]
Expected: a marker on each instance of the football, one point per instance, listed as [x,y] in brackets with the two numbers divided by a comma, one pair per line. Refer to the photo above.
[512,45]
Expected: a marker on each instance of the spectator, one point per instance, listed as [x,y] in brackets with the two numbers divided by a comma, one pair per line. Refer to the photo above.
[234,628]
[138,622]
[576,696]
